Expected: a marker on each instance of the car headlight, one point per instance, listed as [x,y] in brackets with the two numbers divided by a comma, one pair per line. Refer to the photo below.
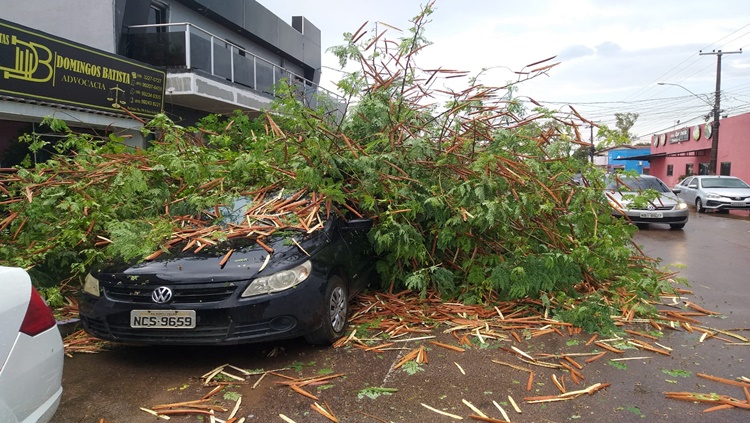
[682,205]
[278,281]
[712,195]
[91,285]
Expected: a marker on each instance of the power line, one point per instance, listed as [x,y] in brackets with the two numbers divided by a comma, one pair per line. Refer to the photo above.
[695,58]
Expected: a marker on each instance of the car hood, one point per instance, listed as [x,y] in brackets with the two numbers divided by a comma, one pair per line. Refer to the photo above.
[666,198]
[245,262]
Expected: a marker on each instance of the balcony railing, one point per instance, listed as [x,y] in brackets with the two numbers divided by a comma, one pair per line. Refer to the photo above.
[184,46]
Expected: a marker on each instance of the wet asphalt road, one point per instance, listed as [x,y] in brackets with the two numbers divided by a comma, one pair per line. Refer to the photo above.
[712,253]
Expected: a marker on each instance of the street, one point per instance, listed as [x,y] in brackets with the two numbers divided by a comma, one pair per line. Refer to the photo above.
[712,253]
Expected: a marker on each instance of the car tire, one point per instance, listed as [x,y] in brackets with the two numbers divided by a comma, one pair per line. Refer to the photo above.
[699,206]
[676,225]
[335,313]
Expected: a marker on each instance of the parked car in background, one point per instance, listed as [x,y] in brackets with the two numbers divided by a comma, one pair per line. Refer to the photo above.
[295,283]
[714,192]
[645,199]
[31,352]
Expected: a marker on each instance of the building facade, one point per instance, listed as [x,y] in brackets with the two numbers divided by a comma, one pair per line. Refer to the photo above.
[122,61]
[618,159]
[687,150]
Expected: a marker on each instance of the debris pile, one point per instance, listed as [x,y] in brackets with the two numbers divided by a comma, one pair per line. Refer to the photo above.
[408,327]
[81,342]
[209,406]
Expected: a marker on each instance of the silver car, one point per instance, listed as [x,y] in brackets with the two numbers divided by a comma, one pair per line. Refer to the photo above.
[31,352]
[645,199]
[713,192]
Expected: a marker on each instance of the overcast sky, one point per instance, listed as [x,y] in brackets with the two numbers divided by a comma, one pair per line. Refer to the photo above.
[612,53]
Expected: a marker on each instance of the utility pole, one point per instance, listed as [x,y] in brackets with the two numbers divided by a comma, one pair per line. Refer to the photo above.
[717,110]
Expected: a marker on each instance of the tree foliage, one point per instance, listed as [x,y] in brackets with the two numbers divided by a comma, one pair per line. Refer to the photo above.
[621,134]
[472,197]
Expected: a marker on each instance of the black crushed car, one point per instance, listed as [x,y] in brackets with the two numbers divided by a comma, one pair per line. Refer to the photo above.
[294,283]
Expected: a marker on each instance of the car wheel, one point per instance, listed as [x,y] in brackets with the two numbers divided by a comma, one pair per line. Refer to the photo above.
[677,225]
[699,206]
[335,313]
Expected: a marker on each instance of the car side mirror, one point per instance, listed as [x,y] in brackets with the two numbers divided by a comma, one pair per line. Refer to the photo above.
[676,190]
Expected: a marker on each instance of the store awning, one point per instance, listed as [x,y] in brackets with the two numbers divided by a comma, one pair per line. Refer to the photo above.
[691,153]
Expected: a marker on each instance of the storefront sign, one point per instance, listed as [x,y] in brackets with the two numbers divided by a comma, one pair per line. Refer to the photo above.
[38,66]
[679,136]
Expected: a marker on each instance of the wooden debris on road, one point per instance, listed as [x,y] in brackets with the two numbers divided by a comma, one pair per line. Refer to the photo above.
[712,398]
[473,408]
[325,412]
[513,403]
[453,416]
[568,395]
[81,342]
[446,346]
[487,419]
[418,355]
[296,385]
[741,384]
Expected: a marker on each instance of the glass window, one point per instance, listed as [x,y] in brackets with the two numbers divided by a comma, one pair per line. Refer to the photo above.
[670,170]
[725,168]
[689,169]
[157,15]
[703,169]
[723,183]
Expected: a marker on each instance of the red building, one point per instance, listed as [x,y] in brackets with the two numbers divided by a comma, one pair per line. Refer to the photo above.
[687,151]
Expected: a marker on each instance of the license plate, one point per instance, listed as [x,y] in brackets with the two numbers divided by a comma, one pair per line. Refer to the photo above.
[738,204]
[162,319]
[651,215]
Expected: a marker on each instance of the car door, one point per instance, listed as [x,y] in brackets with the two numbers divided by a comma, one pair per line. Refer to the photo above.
[361,256]
[689,186]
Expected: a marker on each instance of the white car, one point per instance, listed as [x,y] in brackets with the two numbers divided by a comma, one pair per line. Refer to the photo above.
[31,352]
[714,192]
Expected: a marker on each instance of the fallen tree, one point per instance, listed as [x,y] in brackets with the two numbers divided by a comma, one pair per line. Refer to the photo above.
[472,197]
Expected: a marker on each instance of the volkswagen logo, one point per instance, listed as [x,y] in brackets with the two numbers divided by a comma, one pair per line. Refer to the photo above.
[161,295]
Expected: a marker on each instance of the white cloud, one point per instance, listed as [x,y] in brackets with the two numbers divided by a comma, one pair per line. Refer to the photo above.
[610,52]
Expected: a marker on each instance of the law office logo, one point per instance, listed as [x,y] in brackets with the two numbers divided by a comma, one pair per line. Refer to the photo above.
[29,61]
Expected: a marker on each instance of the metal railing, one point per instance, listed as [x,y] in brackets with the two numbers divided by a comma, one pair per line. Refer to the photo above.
[193,48]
